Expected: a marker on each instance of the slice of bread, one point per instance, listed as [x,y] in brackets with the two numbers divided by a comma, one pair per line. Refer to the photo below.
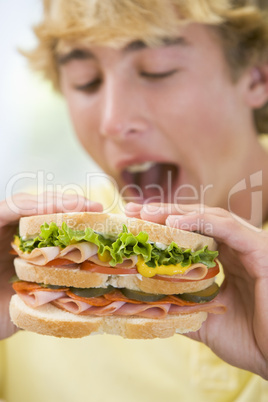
[84,279]
[112,224]
[49,320]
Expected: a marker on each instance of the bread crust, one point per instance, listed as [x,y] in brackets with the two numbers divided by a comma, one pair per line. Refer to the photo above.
[48,320]
[112,225]
[85,279]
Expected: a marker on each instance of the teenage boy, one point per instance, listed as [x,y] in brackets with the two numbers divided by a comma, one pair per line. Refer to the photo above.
[166,108]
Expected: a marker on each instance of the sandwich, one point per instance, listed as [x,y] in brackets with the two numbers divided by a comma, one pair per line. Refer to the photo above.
[90,273]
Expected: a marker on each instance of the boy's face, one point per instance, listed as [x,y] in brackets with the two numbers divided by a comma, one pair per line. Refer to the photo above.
[167,120]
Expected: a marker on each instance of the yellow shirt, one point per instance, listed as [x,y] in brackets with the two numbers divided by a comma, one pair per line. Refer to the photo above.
[37,368]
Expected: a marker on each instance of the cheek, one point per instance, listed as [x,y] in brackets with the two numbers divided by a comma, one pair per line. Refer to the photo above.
[82,115]
[191,117]
[199,122]
[186,119]
[85,122]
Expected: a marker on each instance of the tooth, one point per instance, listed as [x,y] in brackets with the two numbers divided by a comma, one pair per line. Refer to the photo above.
[140,167]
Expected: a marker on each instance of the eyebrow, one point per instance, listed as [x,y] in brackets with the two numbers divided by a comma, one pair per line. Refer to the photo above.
[85,54]
[138,45]
[75,54]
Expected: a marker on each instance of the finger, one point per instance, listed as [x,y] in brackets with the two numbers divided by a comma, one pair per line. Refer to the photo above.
[48,203]
[26,205]
[202,209]
[228,229]
[133,210]
[159,212]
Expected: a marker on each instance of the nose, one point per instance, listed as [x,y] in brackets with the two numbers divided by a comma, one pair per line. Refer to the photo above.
[122,111]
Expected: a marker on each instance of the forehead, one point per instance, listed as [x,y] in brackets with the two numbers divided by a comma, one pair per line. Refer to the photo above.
[67,52]
[196,37]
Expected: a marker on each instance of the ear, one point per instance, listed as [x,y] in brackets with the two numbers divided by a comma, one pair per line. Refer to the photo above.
[257,88]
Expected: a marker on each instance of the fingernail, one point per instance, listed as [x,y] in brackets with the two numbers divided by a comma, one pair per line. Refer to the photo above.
[93,206]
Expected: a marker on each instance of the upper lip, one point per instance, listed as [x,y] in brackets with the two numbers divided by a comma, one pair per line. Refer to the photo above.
[124,177]
[156,175]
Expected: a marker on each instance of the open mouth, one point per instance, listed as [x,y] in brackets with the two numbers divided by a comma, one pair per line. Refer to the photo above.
[150,181]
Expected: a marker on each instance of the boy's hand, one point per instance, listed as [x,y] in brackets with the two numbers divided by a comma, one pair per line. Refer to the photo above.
[240,335]
[10,212]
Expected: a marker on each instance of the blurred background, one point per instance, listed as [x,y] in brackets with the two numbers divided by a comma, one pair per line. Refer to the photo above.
[35,131]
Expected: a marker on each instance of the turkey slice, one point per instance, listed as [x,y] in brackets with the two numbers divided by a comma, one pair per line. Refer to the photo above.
[127,262]
[38,256]
[79,252]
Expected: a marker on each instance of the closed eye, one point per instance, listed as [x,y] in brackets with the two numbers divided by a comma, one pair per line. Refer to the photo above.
[156,76]
[91,86]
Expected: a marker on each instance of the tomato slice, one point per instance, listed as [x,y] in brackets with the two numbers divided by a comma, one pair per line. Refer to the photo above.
[211,273]
[58,262]
[90,266]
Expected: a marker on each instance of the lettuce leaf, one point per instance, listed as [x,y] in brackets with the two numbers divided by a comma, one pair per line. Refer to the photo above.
[124,246]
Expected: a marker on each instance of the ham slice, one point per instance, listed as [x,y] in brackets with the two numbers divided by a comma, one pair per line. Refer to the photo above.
[78,307]
[79,252]
[195,272]
[213,307]
[38,298]
[85,251]
[39,256]
[106,310]
[127,262]
[144,310]
[111,303]
[122,308]
[76,253]
[71,305]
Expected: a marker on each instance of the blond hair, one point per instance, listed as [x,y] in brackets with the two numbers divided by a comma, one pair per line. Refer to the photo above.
[242,26]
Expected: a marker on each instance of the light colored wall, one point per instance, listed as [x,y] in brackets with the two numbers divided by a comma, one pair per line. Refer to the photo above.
[35,132]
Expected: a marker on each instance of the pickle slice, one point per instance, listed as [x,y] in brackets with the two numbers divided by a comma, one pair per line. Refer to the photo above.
[51,286]
[202,296]
[91,292]
[141,296]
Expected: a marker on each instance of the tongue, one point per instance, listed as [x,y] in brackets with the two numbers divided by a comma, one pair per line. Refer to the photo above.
[153,185]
